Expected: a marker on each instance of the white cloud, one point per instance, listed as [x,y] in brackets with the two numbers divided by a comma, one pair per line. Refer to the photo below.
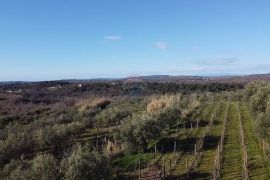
[161,45]
[112,38]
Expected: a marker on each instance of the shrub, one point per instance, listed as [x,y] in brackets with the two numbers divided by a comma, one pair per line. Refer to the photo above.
[83,163]
[45,167]
[140,130]
[260,99]
[112,116]
[17,170]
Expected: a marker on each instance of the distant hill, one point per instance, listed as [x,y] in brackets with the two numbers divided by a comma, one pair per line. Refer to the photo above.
[198,79]
[162,78]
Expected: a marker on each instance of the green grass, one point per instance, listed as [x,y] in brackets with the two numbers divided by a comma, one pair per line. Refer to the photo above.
[231,167]
[125,162]
[187,156]
[256,167]
[206,165]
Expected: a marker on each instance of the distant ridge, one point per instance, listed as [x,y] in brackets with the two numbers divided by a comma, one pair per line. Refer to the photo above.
[163,78]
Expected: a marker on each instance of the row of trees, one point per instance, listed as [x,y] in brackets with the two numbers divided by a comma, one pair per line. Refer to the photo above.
[81,163]
[258,94]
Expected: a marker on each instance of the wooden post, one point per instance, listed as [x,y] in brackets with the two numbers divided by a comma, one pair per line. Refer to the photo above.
[174,148]
[97,141]
[163,165]
[187,168]
[140,168]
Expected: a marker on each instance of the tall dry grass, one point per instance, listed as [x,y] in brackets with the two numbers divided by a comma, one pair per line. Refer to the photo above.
[92,102]
[160,102]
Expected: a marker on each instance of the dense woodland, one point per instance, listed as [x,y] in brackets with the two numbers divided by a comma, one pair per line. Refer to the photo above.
[114,130]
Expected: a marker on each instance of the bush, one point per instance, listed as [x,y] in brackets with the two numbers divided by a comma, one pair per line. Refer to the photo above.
[112,116]
[84,164]
[260,99]
[17,170]
[141,130]
[45,167]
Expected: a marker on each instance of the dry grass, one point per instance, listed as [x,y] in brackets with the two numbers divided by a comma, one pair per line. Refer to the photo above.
[92,102]
[160,102]
[190,108]
[111,148]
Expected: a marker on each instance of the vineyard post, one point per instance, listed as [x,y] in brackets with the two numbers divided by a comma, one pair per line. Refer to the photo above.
[174,148]
[129,173]
[163,165]
[97,141]
[140,168]
[187,168]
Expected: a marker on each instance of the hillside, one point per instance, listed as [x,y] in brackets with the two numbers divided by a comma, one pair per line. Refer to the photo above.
[146,130]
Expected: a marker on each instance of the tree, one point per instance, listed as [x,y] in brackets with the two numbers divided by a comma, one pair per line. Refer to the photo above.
[83,164]
[260,99]
[45,167]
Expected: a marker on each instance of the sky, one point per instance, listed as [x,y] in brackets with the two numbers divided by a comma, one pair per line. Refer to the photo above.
[68,39]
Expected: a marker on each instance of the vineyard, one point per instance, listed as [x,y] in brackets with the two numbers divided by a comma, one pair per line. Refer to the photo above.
[196,135]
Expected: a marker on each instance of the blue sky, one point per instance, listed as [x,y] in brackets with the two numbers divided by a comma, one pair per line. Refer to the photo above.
[63,39]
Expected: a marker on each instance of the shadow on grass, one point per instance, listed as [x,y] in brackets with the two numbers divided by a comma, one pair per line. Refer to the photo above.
[211,142]
[192,176]
[202,123]
[185,145]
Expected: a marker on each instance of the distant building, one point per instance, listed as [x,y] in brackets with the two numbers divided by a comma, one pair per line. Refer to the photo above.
[19,91]
[79,85]
[55,87]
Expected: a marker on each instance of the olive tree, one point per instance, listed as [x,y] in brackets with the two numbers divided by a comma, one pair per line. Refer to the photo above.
[83,164]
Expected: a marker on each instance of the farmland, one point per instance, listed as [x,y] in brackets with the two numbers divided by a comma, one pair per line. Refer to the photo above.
[135,130]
